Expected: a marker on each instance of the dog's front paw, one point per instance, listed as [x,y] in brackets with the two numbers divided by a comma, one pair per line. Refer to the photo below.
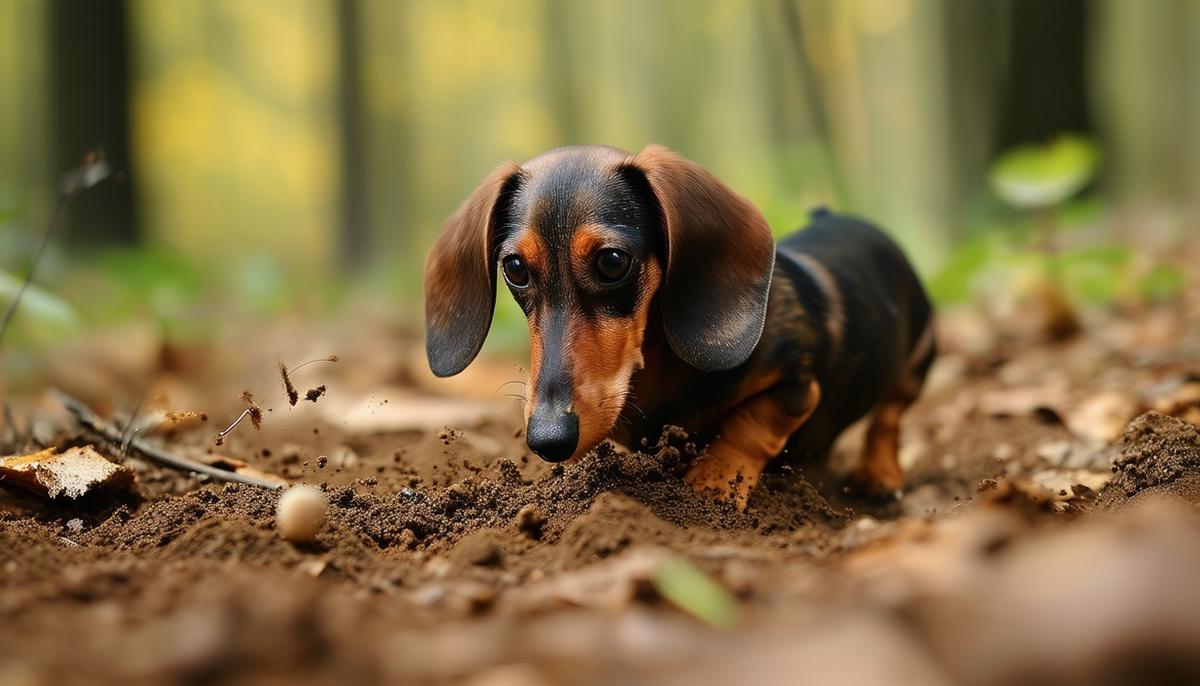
[722,480]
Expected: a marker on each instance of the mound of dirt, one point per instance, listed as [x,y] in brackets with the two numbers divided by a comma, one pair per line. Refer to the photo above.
[1160,454]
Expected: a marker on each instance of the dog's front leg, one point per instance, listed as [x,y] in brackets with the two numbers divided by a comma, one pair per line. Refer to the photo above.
[749,436]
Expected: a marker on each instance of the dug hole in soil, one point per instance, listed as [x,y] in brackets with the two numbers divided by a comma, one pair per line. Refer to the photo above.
[1046,536]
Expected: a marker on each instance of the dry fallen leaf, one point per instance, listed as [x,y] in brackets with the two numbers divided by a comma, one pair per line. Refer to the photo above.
[1182,400]
[608,586]
[1102,417]
[73,473]
[1023,401]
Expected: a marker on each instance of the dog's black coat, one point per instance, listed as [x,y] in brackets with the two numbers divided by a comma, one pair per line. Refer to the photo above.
[886,314]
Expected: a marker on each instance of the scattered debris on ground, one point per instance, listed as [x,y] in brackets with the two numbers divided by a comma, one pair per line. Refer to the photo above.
[1048,534]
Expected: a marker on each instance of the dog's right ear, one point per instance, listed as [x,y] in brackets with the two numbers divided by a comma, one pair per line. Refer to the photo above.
[460,275]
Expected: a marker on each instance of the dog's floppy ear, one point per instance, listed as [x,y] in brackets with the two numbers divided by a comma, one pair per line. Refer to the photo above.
[720,256]
[460,275]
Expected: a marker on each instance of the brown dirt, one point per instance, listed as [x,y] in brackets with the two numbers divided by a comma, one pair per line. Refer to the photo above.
[1161,456]
[450,554]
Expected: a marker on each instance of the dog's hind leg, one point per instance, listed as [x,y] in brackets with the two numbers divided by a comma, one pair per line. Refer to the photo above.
[879,473]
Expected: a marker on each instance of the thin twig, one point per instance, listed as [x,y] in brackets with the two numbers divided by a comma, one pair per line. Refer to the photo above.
[14,435]
[37,257]
[810,90]
[90,421]
[93,170]
[130,429]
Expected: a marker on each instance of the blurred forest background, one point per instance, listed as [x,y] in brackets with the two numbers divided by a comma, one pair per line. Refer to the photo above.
[291,157]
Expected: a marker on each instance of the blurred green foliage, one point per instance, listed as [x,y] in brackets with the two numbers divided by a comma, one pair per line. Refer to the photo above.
[693,591]
[48,316]
[1040,182]
[243,162]
[1037,176]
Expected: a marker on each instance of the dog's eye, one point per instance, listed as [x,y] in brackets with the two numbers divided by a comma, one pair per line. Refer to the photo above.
[612,265]
[516,273]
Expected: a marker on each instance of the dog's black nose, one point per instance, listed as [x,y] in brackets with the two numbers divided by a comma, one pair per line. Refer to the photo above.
[554,438]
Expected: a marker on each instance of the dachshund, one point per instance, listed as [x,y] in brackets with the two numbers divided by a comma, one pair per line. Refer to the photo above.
[656,295]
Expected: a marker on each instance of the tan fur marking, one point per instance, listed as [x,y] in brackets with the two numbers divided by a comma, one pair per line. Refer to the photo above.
[603,357]
[880,472]
[531,249]
[528,244]
[751,435]
[535,364]
[835,318]
[585,241]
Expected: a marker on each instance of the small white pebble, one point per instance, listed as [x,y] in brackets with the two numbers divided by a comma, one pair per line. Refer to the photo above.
[301,513]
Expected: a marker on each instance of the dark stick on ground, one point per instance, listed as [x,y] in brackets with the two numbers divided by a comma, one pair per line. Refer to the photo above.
[111,433]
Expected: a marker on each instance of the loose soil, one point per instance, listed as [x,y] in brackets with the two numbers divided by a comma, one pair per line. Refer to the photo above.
[1021,551]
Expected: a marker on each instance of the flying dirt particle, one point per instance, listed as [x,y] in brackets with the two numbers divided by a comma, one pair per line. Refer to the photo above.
[344,457]
[314,393]
[292,394]
[481,550]
[322,461]
[177,420]
[300,513]
[255,412]
[530,521]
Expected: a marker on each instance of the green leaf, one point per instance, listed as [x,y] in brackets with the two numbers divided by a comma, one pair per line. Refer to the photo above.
[1163,282]
[953,284]
[1041,176]
[36,302]
[694,592]
[1094,273]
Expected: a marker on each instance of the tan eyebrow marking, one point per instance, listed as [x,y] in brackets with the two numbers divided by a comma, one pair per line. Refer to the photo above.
[529,245]
[586,240]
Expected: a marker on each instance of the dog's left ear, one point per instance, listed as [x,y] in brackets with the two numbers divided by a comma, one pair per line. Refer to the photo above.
[460,275]
[720,256]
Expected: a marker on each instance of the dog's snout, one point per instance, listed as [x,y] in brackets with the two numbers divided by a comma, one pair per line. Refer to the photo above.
[554,438]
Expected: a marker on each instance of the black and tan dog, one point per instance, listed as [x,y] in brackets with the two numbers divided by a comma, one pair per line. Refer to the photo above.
[655,295]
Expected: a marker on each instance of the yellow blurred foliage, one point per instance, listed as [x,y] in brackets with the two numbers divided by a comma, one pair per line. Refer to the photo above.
[235,126]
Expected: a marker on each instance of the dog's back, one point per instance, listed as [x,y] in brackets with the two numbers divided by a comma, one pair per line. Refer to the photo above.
[878,316]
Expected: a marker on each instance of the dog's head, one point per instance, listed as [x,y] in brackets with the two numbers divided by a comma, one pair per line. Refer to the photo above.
[590,241]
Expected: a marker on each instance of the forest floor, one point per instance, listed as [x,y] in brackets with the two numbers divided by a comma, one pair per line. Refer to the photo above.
[1048,533]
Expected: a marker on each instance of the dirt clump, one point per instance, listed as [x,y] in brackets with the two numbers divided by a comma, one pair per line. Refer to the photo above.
[1160,454]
